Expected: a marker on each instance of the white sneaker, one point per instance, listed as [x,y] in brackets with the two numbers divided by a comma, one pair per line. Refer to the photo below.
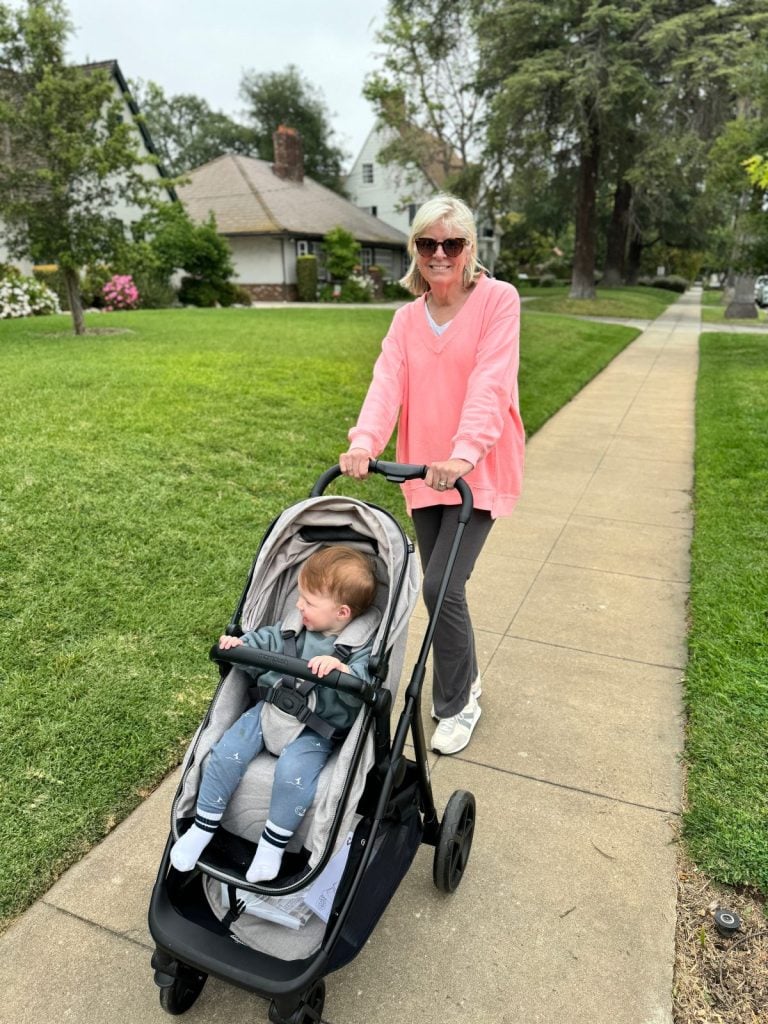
[475,691]
[453,734]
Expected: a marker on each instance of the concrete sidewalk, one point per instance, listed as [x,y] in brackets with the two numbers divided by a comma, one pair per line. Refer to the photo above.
[567,911]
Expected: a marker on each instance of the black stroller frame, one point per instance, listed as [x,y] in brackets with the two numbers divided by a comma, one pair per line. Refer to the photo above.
[398,815]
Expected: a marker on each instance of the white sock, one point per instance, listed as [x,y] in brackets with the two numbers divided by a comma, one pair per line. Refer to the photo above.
[269,854]
[186,852]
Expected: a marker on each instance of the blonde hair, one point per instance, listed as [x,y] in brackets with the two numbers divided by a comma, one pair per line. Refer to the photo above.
[455,212]
[343,574]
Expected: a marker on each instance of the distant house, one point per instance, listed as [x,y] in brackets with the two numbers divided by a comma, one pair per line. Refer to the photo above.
[385,190]
[152,170]
[270,213]
[395,193]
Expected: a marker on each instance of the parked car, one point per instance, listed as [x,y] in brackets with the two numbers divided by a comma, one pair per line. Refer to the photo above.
[761,290]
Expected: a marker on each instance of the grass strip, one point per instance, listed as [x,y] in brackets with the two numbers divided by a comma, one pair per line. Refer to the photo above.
[726,824]
[628,303]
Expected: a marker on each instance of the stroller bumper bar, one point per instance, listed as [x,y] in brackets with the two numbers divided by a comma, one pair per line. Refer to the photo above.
[398,473]
[252,657]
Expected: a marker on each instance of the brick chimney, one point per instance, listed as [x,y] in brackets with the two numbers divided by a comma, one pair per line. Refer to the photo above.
[289,155]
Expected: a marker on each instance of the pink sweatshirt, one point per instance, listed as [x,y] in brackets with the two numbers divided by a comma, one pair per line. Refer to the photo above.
[456,394]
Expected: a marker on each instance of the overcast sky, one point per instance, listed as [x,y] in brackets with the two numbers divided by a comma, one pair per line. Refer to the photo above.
[203,47]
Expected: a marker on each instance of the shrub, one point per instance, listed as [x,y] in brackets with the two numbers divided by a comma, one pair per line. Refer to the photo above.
[306,278]
[195,292]
[671,283]
[154,289]
[120,292]
[53,278]
[92,284]
[342,252]
[393,290]
[25,296]
[354,289]
[242,296]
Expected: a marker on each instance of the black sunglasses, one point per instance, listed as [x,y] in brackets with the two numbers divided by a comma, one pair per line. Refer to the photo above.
[451,246]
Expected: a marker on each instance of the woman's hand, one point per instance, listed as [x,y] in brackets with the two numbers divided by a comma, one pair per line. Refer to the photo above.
[354,463]
[442,475]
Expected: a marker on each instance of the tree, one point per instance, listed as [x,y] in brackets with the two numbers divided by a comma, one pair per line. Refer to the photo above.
[425,93]
[67,152]
[592,85]
[284,97]
[700,60]
[563,77]
[186,132]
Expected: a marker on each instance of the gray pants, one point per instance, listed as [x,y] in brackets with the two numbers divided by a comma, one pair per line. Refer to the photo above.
[453,652]
[296,771]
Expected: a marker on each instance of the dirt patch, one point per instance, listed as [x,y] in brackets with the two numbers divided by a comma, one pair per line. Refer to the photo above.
[108,330]
[718,980]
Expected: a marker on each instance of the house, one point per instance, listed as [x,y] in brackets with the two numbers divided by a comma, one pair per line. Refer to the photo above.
[151,170]
[386,190]
[394,193]
[270,213]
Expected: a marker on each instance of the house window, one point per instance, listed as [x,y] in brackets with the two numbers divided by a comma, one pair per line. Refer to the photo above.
[366,259]
[373,210]
[367,174]
[304,248]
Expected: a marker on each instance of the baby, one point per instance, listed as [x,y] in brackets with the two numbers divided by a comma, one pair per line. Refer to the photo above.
[336,585]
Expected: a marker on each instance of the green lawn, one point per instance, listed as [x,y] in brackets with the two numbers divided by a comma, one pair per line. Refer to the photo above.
[629,303]
[726,826]
[713,311]
[140,468]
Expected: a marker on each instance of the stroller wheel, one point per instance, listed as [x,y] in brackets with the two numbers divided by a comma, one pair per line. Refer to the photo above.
[454,841]
[187,986]
[309,1010]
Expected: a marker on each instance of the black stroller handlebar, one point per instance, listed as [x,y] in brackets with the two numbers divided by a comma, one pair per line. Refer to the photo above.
[398,472]
[252,657]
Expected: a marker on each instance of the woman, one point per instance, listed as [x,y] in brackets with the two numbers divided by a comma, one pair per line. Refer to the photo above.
[448,367]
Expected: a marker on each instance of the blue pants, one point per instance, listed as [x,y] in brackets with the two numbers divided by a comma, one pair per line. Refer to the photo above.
[296,772]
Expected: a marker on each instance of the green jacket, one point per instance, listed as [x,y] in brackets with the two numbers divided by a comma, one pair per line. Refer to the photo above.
[337,708]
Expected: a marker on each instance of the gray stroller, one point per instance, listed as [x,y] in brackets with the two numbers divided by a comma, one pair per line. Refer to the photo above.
[373,809]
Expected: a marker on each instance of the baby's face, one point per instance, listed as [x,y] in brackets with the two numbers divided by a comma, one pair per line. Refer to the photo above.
[319,612]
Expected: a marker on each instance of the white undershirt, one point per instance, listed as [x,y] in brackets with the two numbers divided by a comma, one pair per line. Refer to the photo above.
[437,328]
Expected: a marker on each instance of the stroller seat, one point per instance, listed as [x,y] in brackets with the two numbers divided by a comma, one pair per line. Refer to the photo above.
[270,592]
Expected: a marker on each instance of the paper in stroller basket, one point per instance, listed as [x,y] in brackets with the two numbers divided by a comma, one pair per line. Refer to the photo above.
[295,910]
[290,911]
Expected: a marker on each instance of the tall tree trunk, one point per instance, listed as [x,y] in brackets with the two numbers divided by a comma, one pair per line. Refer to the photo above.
[583,278]
[72,281]
[618,232]
[742,305]
[634,255]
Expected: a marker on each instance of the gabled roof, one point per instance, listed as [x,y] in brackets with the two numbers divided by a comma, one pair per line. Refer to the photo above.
[248,198]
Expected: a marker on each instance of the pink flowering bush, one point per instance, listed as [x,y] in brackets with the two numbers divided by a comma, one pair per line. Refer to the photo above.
[120,293]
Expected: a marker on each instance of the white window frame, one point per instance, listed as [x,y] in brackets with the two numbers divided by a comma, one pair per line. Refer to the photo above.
[367,174]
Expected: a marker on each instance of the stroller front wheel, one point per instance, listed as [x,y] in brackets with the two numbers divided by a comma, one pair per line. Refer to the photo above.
[308,1011]
[454,841]
[187,986]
